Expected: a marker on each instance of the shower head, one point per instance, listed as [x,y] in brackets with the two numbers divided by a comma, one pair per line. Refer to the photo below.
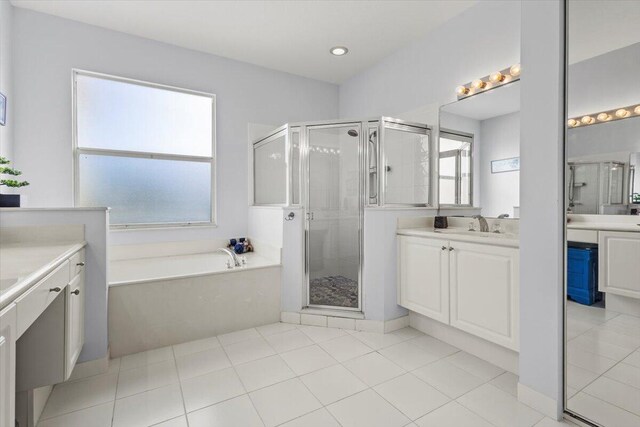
[352,132]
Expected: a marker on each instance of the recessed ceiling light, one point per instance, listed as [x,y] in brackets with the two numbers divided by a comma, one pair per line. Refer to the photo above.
[339,51]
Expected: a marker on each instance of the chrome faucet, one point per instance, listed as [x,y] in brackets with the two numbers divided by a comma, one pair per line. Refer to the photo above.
[503,216]
[484,226]
[234,258]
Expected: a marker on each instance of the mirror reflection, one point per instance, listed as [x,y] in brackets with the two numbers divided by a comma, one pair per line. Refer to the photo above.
[602,348]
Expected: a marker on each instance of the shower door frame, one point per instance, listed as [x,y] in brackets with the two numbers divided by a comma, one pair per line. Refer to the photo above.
[305,129]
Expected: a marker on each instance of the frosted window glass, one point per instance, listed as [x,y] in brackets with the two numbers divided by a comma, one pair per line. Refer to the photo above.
[116,115]
[146,191]
[270,172]
[406,167]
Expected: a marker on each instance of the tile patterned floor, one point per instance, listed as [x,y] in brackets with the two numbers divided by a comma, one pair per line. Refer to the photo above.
[603,365]
[298,376]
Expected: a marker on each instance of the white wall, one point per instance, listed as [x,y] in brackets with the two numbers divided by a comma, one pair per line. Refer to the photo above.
[500,139]
[47,48]
[6,76]
[542,206]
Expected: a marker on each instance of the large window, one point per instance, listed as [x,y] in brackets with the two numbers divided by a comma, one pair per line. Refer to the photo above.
[146,151]
[455,183]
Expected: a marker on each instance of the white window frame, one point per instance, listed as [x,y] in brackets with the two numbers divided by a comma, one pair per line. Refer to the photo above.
[77,151]
[462,137]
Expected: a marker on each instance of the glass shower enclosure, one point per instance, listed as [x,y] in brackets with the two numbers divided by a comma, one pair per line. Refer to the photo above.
[334,170]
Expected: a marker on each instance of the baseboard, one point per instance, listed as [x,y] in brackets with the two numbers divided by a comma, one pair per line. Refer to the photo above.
[540,402]
[335,320]
[90,368]
[493,353]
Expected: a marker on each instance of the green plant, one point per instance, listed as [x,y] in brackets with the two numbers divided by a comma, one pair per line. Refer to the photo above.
[4,170]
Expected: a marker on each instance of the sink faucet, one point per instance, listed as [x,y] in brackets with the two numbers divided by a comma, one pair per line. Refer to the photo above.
[234,258]
[503,216]
[484,227]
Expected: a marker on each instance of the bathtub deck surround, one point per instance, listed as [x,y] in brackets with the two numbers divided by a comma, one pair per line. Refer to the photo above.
[295,375]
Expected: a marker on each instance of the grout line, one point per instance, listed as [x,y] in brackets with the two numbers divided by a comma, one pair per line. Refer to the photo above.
[115,393]
[184,405]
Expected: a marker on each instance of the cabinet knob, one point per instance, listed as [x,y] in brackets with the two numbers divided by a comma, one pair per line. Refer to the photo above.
[56,289]
[444,248]
[450,248]
[76,292]
[81,264]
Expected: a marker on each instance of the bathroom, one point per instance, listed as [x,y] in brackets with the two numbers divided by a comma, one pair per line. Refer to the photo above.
[371,217]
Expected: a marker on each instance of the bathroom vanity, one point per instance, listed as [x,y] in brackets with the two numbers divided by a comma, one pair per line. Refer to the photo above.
[466,279]
[41,314]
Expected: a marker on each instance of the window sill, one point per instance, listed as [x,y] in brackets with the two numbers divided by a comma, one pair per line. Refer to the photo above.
[160,226]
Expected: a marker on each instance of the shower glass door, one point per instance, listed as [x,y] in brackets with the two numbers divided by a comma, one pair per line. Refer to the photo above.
[334,208]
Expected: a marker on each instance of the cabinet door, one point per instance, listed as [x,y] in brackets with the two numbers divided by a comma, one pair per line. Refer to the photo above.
[74,325]
[423,276]
[619,263]
[485,291]
[8,337]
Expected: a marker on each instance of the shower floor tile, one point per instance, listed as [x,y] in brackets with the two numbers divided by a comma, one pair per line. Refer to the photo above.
[336,291]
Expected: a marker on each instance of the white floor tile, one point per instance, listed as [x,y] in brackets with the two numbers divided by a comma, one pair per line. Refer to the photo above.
[474,365]
[407,333]
[408,356]
[373,368]
[283,402]
[589,361]
[448,378]
[579,378]
[308,359]
[275,328]
[434,346]
[319,334]
[146,377]
[499,407]
[548,422]
[192,365]
[452,415]
[174,422]
[613,337]
[146,357]
[99,415]
[591,345]
[624,373]
[411,396]
[601,412]
[264,372]
[345,348]
[287,341]
[633,359]
[237,336]
[248,350]
[211,388]
[507,382]
[332,384]
[81,394]
[621,395]
[377,341]
[195,346]
[237,412]
[148,408]
[367,409]
[319,418]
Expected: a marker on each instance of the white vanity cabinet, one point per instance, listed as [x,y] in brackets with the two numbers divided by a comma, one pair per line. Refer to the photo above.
[471,286]
[8,332]
[74,321]
[484,291]
[619,263]
[423,276]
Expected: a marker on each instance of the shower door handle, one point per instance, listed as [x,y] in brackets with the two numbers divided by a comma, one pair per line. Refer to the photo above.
[309,216]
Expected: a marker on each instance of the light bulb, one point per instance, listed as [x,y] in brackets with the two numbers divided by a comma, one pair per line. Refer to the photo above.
[572,123]
[622,113]
[478,84]
[637,110]
[587,120]
[603,117]
[462,90]
[496,77]
[515,70]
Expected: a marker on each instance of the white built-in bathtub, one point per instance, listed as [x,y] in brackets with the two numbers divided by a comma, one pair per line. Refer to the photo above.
[166,300]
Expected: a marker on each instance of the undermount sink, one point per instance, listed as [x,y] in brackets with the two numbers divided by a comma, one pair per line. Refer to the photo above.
[475,233]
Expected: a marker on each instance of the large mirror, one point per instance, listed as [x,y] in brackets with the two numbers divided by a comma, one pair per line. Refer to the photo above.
[602,333]
[479,152]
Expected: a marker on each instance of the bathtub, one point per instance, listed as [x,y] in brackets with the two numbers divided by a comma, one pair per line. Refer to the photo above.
[160,301]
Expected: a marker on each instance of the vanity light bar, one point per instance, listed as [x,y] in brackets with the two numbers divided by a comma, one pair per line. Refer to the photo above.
[493,80]
[605,116]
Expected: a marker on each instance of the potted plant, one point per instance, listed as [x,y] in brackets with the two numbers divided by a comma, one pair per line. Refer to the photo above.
[10,200]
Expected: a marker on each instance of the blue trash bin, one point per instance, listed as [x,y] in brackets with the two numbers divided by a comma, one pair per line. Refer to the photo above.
[582,275]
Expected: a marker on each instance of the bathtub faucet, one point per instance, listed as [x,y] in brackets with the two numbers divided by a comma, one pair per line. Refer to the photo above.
[234,258]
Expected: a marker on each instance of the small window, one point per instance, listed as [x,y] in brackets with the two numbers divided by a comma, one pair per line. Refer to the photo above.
[146,151]
[455,167]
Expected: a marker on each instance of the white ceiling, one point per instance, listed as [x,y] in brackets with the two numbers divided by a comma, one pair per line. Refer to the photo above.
[290,36]
[596,27]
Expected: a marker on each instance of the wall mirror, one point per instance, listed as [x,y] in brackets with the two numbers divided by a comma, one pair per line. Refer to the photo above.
[602,315]
[479,149]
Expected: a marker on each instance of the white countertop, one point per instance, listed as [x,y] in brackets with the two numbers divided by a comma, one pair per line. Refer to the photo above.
[463,235]
[604,226]
[24,264]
